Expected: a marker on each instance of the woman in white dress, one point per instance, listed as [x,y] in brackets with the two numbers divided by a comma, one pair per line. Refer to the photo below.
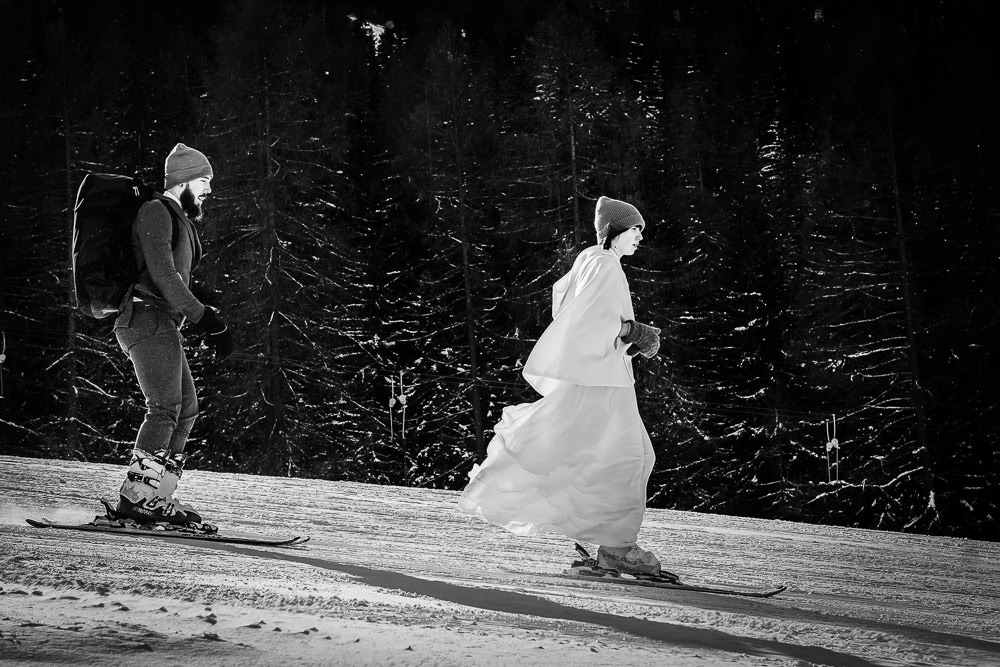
[577,460]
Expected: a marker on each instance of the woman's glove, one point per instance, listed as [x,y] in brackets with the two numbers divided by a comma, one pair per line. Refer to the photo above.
[644,339]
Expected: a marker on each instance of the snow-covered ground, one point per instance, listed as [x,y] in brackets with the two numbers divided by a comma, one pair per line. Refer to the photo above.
[397,576]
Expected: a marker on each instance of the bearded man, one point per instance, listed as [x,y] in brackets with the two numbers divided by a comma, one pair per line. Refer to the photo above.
[166,245]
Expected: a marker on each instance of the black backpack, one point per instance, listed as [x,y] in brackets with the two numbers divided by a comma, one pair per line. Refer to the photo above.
[104,268]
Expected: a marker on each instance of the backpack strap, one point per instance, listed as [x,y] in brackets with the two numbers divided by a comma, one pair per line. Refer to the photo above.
[175,231]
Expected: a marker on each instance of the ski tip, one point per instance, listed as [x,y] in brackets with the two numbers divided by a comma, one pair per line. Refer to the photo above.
[669,577]
[43,523]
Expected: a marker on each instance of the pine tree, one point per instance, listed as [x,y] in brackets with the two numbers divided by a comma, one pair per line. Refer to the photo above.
[274,130]
[445,309]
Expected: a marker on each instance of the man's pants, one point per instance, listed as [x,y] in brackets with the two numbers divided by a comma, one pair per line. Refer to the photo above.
[155,347]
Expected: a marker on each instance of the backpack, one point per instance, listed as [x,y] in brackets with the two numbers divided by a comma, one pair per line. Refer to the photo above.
[104,267]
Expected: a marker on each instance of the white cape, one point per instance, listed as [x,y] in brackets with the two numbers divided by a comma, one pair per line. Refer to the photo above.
[581,345]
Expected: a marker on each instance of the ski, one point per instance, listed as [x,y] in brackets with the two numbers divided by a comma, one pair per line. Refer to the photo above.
[109,523]
[587,568]
[136,530]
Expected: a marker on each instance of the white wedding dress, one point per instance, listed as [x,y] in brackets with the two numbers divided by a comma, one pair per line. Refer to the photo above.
[576,461]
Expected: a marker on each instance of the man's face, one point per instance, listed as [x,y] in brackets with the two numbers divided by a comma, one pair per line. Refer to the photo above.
[194,195]
[200,188]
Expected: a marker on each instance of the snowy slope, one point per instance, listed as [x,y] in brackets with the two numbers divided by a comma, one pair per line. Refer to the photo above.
[397,576]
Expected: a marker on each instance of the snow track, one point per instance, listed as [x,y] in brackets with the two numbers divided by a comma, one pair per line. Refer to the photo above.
[397,576]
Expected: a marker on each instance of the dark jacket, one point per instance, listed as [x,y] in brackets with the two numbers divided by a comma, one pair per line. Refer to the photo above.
[166,272]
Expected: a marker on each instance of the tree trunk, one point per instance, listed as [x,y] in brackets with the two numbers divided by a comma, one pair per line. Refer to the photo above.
[574,184]
[470,319]
[273,381]
[72,433]
[916,390]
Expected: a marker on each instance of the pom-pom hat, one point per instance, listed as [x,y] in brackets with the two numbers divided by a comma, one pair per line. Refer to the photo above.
[185,164]
[613,217]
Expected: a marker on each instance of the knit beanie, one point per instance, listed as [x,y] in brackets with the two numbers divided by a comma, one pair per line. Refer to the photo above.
[613,217]
[185,164]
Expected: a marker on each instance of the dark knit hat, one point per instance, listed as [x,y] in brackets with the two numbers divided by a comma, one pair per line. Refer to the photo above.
[613,217]
[185,164]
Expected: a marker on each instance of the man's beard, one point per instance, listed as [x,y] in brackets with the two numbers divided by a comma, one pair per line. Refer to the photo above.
[192,209]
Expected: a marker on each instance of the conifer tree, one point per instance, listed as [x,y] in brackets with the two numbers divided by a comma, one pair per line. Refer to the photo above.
[447,147]
[274,129]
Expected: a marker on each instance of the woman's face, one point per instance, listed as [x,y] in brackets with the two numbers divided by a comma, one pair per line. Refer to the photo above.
[627,242]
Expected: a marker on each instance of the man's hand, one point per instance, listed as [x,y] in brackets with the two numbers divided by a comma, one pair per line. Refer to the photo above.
[218,335]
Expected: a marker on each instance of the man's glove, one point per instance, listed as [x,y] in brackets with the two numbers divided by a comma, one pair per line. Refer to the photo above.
[644,339]
[218,335]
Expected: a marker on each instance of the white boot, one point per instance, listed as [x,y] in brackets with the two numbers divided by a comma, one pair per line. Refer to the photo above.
[146,495]
[628,560]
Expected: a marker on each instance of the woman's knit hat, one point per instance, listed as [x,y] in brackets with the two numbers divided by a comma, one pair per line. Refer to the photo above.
[185,164]
[613,217]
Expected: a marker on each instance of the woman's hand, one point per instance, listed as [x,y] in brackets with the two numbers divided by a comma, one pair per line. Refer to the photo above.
[644,339]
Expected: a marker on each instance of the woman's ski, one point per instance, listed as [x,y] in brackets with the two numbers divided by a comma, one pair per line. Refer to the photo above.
[587,568]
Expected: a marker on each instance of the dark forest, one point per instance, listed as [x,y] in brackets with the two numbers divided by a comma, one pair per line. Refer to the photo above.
[397,188]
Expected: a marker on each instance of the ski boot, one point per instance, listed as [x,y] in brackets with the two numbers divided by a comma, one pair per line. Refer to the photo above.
[628,560]
[147,495]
